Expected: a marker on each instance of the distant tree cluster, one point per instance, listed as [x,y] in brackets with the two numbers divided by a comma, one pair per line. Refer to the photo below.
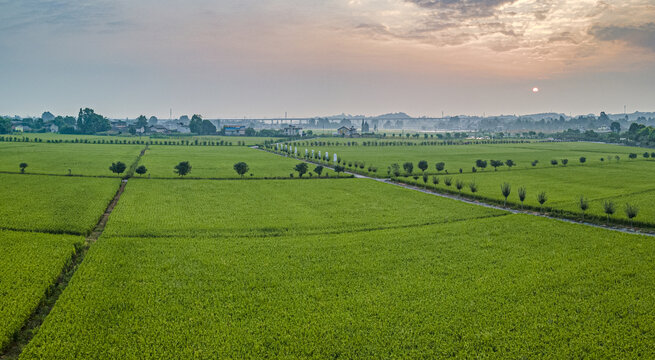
[88,122]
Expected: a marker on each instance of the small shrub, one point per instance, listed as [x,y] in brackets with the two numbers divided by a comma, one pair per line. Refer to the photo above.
[505,189]
[510,163]
[423,165]
[474,187]
[408,167]
[583,204]
[609,208]
[522,193]
[459,184]
[631,212]
[141,170]
[541,199]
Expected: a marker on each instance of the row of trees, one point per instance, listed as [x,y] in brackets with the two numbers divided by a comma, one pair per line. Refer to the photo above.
[241,168]
[119,167]
[319,157]
[187,142]
[408,167]
[319,143]
[608,206]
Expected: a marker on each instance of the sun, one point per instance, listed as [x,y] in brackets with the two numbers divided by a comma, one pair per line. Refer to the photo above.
[535,89]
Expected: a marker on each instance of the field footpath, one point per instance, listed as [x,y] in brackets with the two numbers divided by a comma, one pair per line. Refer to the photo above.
[31,326]
[474,202]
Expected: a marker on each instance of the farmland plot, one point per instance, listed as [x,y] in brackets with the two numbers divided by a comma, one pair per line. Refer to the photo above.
[30,263]
[512,286]
[53,204]
[218,162]
[275,207]
[81,159]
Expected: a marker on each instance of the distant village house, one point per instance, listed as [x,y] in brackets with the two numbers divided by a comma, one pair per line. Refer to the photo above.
[347,131]
[293,130]
[231,130]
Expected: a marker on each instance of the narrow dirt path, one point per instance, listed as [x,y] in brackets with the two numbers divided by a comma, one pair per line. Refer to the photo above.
[100,227]
[474,202]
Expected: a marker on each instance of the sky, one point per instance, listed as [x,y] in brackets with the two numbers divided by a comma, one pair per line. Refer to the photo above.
[253,58]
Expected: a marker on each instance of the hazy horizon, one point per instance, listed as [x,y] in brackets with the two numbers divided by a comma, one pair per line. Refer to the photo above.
[261,59]
[334,116]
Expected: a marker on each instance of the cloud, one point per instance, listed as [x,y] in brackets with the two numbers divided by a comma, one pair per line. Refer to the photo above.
[73,15]
[638,35]
[563,37]
[468,8]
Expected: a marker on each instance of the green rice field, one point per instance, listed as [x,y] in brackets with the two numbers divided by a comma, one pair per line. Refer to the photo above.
[479,288]
[58,159]
[211,265]
[31,262]
[162,208]
[218,162]
[54,204]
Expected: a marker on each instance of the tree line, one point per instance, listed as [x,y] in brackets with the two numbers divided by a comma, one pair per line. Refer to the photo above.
[271,143]
[184,168]
[118,141]
[609,207]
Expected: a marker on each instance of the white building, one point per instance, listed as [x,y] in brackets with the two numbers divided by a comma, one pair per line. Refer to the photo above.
[293,130]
